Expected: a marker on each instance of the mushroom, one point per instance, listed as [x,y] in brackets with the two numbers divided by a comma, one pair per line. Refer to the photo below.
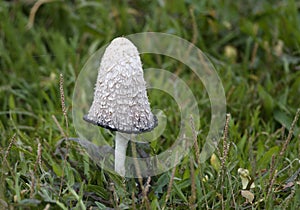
[120,98]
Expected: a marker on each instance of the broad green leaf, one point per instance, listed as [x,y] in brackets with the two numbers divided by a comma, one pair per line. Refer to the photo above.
[100,206]
[265,160]
[268,102]
[161,182]
[286,121]
[30,202]
[100,191]
[155,204]
[179,192]
[57,169]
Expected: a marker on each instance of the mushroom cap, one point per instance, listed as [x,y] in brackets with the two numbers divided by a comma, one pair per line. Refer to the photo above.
[120,98]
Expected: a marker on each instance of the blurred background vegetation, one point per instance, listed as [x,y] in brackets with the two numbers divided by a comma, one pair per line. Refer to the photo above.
[255,47]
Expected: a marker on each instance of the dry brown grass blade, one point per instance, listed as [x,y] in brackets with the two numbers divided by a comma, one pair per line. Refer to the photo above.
[197,154]
[272,176]
[34,10]
[170,184]
[290,135]
[197,149]
[58,126]
[133,200]
[140,179]
[193,197]
[275,160]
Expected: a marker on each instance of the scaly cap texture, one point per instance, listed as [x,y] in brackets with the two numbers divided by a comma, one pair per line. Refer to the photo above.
[120,98]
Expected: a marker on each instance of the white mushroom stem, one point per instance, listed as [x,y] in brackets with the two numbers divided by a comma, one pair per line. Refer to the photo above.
[121,143]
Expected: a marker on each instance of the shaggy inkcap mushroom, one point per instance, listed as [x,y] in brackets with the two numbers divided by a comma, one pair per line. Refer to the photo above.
[120,98]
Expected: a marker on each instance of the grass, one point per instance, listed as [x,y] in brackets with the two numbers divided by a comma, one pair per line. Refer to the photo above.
[255,47]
